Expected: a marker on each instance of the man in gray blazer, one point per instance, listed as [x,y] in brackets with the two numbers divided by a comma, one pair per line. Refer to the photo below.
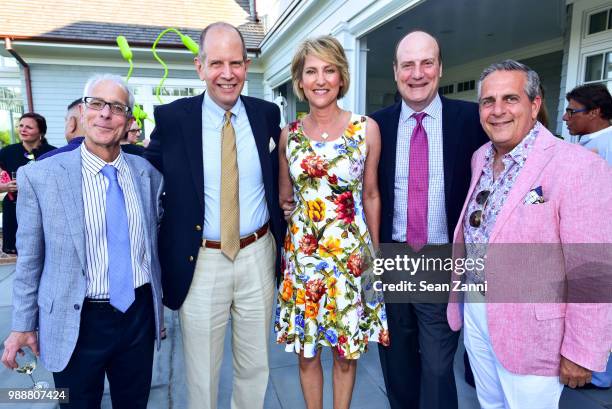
[87,290]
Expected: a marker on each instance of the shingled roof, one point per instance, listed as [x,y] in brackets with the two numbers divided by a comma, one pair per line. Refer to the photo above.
[140,21]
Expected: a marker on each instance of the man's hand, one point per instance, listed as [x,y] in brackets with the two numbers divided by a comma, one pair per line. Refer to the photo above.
[572,374]
[13,344]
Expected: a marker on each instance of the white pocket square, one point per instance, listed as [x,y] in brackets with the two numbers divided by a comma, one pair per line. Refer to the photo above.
[272,144]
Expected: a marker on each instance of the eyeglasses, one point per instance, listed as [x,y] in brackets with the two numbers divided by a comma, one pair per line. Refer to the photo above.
[481,199]
[570,112]
[135,130]
[98,104]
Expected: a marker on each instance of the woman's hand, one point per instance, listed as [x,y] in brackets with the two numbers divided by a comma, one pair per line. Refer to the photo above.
[288,207]
[9,187]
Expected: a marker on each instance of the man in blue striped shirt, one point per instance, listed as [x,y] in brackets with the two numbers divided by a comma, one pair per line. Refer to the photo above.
[87,289]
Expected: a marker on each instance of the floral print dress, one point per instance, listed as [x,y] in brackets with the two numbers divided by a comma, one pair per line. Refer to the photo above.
[327,251]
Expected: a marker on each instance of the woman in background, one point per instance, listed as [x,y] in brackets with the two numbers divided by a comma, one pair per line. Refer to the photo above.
[32,129]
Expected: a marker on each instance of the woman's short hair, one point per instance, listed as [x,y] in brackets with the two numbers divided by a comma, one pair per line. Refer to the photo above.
[39,119]
[328,49]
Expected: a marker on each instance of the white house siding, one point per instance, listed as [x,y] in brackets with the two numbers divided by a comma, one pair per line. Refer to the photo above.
[255,85]
[55,86]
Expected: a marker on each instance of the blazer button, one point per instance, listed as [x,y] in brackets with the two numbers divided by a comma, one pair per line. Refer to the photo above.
[198,227]
[190,258]
[77,307]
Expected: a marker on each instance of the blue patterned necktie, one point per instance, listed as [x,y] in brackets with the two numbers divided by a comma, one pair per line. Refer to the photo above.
[120,276]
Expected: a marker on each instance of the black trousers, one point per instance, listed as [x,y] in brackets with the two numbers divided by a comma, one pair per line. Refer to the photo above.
[418,364]
[9,225]
[117,344]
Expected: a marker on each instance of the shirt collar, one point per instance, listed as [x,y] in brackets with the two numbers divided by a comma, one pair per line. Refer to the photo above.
[434,109]
[584,139]
[520,151]
[217,113]
[93,164]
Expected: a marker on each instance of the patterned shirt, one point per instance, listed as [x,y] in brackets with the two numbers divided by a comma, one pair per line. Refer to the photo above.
[477,238]
[94,185]
[437,230]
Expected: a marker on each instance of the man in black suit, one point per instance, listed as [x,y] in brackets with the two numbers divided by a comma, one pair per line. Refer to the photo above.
[418,365]
[218,154]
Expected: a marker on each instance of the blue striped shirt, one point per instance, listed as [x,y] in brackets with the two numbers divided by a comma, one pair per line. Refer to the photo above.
[94,185]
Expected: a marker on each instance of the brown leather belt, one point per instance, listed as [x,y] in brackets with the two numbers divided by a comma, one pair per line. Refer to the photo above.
[244,241]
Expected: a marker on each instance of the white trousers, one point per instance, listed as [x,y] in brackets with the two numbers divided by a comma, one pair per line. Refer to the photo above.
[244,290]
[495,386]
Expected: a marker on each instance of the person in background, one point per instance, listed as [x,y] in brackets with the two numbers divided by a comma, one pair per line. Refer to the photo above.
[129,140]
[73,130]
[32,130]
[588,115]
[543,113]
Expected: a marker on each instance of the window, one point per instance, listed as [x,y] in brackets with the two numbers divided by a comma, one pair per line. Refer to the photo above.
[173,89]
[598,67]
[600,21]
[446,89]
[11,108]
[6,62]
[178,91]
[466,86]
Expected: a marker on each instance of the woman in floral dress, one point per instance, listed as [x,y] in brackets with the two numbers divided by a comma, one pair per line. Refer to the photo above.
[328,177]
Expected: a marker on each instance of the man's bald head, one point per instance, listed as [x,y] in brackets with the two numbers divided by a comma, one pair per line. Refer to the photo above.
[223,27]
[417,69]
[417,36]
[72,121]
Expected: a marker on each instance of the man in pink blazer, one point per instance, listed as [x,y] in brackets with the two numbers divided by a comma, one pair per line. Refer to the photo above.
[532,197]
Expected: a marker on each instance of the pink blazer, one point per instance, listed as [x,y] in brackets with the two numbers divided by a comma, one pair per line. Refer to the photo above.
[529,338]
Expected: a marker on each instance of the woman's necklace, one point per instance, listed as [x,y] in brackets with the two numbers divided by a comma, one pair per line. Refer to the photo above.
[325,134]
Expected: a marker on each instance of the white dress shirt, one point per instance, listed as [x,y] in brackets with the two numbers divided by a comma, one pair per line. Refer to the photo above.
[600,142]
[94,185]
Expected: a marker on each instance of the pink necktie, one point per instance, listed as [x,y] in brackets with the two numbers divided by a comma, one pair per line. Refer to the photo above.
[418,186]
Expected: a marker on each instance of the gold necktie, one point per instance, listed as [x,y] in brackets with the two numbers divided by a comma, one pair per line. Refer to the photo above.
[230,205]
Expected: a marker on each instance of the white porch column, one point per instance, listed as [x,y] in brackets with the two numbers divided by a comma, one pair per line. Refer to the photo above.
[356,53]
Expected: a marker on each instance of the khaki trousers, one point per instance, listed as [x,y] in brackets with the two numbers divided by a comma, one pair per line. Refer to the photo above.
[244,290]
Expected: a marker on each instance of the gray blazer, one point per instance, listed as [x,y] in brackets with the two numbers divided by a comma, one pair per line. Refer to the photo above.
[50,283]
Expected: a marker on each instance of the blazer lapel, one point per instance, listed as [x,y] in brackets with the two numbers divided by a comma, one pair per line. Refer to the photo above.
[390,150]
[192,135]
[142,184]
[450,144]
[538,158]
[71,194]
[262,140]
